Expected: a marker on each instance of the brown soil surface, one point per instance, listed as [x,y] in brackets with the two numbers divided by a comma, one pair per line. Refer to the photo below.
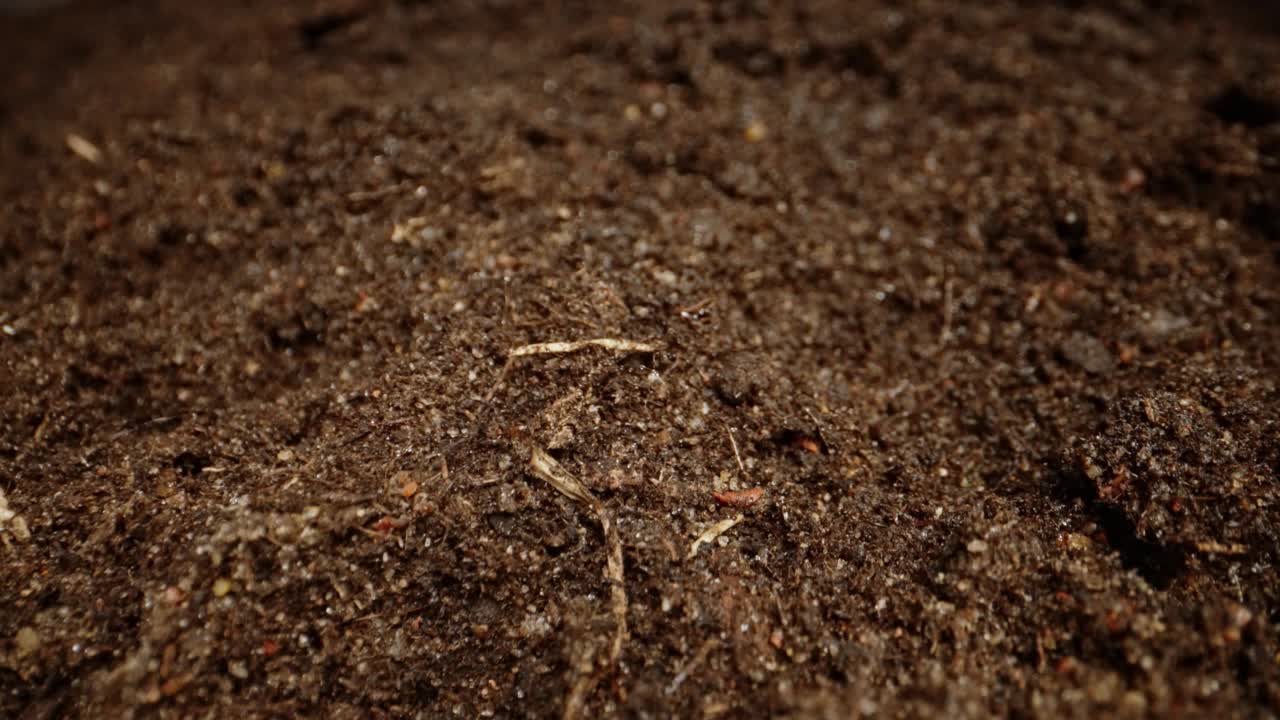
[978,302]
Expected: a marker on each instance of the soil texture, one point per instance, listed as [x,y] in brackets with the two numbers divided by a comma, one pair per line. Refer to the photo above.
[720,359]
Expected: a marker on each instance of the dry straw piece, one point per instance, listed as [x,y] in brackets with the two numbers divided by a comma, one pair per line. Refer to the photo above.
[712,533]
[85,149]
[546,468]
[560,348]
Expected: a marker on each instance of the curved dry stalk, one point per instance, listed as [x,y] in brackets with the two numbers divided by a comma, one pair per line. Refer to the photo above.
[559,348]
[545,468]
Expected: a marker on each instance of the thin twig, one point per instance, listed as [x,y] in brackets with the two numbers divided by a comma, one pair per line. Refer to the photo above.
[817,427]
[693,310]
[698,658]
[546,468]
[712,533]
[947,291]
[741,468]
[1214,547]
[371,430]
[559,348]
[358,196]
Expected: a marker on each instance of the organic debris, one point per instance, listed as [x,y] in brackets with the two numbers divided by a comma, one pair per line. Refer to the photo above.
[546,468]
[85,149]
[12,522]
[736,455]
[1214,547]
[739,498]
[697,659]
[712,533]
[616,345]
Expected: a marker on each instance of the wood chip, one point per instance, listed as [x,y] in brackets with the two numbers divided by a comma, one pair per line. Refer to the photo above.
[1217,548]
[560,348]
[546,468]
[12,522]
[84,148]
[739,498]
[174,685]
[712,533]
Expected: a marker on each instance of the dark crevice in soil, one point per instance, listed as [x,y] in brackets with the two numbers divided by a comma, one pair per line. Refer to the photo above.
[1237,106]
[313,30]
[1160,565]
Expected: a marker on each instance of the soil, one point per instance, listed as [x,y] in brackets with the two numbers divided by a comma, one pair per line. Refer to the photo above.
[969,310]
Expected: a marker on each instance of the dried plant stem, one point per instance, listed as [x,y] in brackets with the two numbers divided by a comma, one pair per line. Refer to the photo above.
[545,468]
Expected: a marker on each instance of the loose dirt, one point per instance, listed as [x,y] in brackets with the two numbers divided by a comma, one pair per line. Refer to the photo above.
[933,363]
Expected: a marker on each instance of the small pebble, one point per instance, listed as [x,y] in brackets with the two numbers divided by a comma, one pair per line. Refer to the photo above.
[19,527]
[27,641]
[1088,353]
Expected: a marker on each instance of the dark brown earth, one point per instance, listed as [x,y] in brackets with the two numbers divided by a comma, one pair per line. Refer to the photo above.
[983,297]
